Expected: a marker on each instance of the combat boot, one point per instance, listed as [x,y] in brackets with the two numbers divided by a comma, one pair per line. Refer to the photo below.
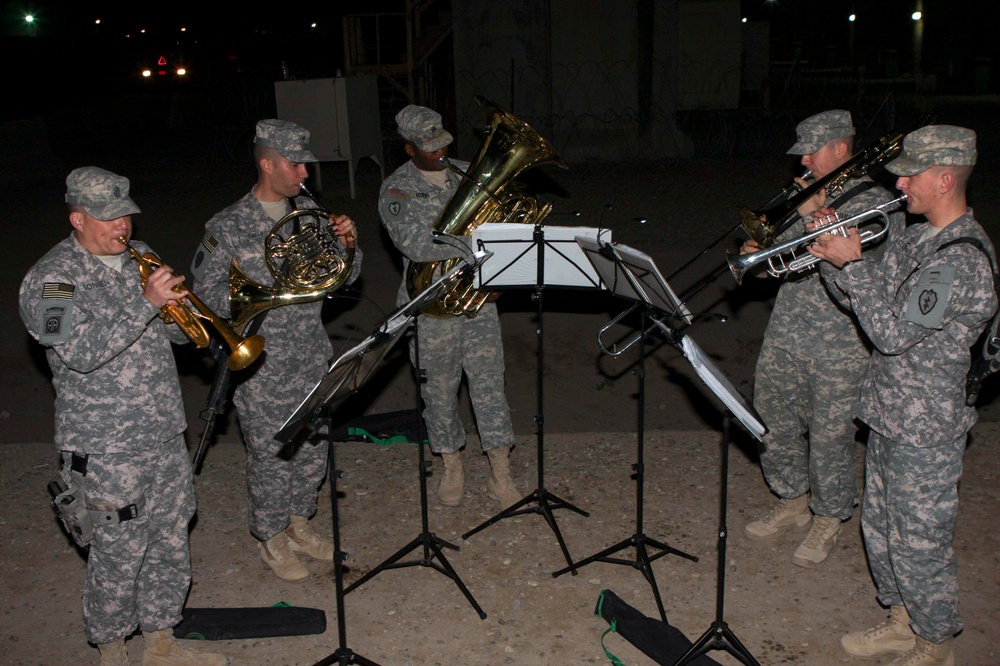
[453,481]
[893,636]
[114,654]
[925,653]
[302,539]
[499,486]
[162,649]
[818,544]
[787,514]
[278,555]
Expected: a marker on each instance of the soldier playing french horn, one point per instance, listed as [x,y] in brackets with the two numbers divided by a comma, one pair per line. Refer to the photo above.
[283,494]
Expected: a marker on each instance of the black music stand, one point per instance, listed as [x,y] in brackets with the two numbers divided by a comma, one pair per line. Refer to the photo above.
[431,544]
[526,257]
[343,378]
[633,275]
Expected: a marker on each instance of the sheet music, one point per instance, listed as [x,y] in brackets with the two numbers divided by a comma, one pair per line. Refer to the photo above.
[633,274]
[515,256]
[722,387]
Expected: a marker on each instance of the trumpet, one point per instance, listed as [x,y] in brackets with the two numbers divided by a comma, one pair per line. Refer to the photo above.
[244,351]
[785,258]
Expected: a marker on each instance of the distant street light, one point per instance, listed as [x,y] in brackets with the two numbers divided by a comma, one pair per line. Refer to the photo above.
[916,16]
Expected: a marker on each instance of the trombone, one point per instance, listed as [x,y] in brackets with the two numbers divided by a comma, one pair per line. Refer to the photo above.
[784,258]
[244,351]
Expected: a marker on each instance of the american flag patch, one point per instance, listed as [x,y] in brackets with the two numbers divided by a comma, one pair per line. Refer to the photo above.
[57,290]
[397,192]
[210,242]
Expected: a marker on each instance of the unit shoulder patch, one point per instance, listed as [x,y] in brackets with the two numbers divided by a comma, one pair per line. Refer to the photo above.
[929,300]
[56,312]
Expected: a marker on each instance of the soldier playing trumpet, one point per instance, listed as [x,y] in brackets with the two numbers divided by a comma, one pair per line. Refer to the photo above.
[119,422]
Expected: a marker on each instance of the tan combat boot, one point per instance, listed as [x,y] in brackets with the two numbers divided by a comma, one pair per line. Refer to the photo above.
[163,650]
[453,481]
[114,654]
[925,653]
[302,539]
[788,514]
[278,555]
[818,544]
[893,636]
[499,486]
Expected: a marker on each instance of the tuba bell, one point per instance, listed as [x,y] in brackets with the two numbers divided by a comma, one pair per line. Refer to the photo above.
[487,194]
[304,257]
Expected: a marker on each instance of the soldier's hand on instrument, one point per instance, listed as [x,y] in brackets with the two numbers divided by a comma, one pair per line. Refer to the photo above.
[820,218]
[749,246]
[837,249]
[160,287]
[344,228]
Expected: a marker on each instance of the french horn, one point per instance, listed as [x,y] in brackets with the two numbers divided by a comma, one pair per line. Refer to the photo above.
[305,259]
[487,194]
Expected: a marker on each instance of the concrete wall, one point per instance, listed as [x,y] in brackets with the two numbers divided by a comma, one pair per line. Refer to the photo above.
[600,80]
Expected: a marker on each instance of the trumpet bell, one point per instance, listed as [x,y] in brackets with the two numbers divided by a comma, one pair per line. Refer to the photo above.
[245,352]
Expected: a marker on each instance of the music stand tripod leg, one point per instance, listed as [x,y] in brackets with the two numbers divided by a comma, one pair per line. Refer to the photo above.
[540,500]
[719,636]
[343,655]
[643,561]
[431,544]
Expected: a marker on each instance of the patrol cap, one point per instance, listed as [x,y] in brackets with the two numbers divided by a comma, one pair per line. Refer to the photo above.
[422,127]
[104,195]
[934,145]
[815,131]
[289,139]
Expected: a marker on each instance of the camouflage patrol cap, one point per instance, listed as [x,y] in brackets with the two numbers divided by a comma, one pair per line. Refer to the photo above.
[289,139]
[422,127]
[934,145]
[104,195]
[815,131]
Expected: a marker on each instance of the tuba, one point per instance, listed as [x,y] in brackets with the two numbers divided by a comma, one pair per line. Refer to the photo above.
[244,351]
[767,224]
[304,257]
[487,194]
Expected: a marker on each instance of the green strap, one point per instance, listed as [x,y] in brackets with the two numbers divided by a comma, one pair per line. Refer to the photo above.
[613,627]
[614,660]
[395,439]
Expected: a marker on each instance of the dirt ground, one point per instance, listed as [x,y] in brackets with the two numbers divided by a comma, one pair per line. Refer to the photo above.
[415,615]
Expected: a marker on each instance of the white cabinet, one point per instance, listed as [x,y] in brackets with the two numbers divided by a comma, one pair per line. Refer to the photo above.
[341,115]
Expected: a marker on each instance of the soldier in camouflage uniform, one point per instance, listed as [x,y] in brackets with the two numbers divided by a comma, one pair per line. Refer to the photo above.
[923,306]
[410,201]
[811,364]
[283,494]
[119,420]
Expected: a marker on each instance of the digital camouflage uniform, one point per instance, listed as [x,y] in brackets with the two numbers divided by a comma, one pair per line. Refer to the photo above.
[806,381]
[409,205]
[922,309]
[913,399]
[297,354]
[118,400]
